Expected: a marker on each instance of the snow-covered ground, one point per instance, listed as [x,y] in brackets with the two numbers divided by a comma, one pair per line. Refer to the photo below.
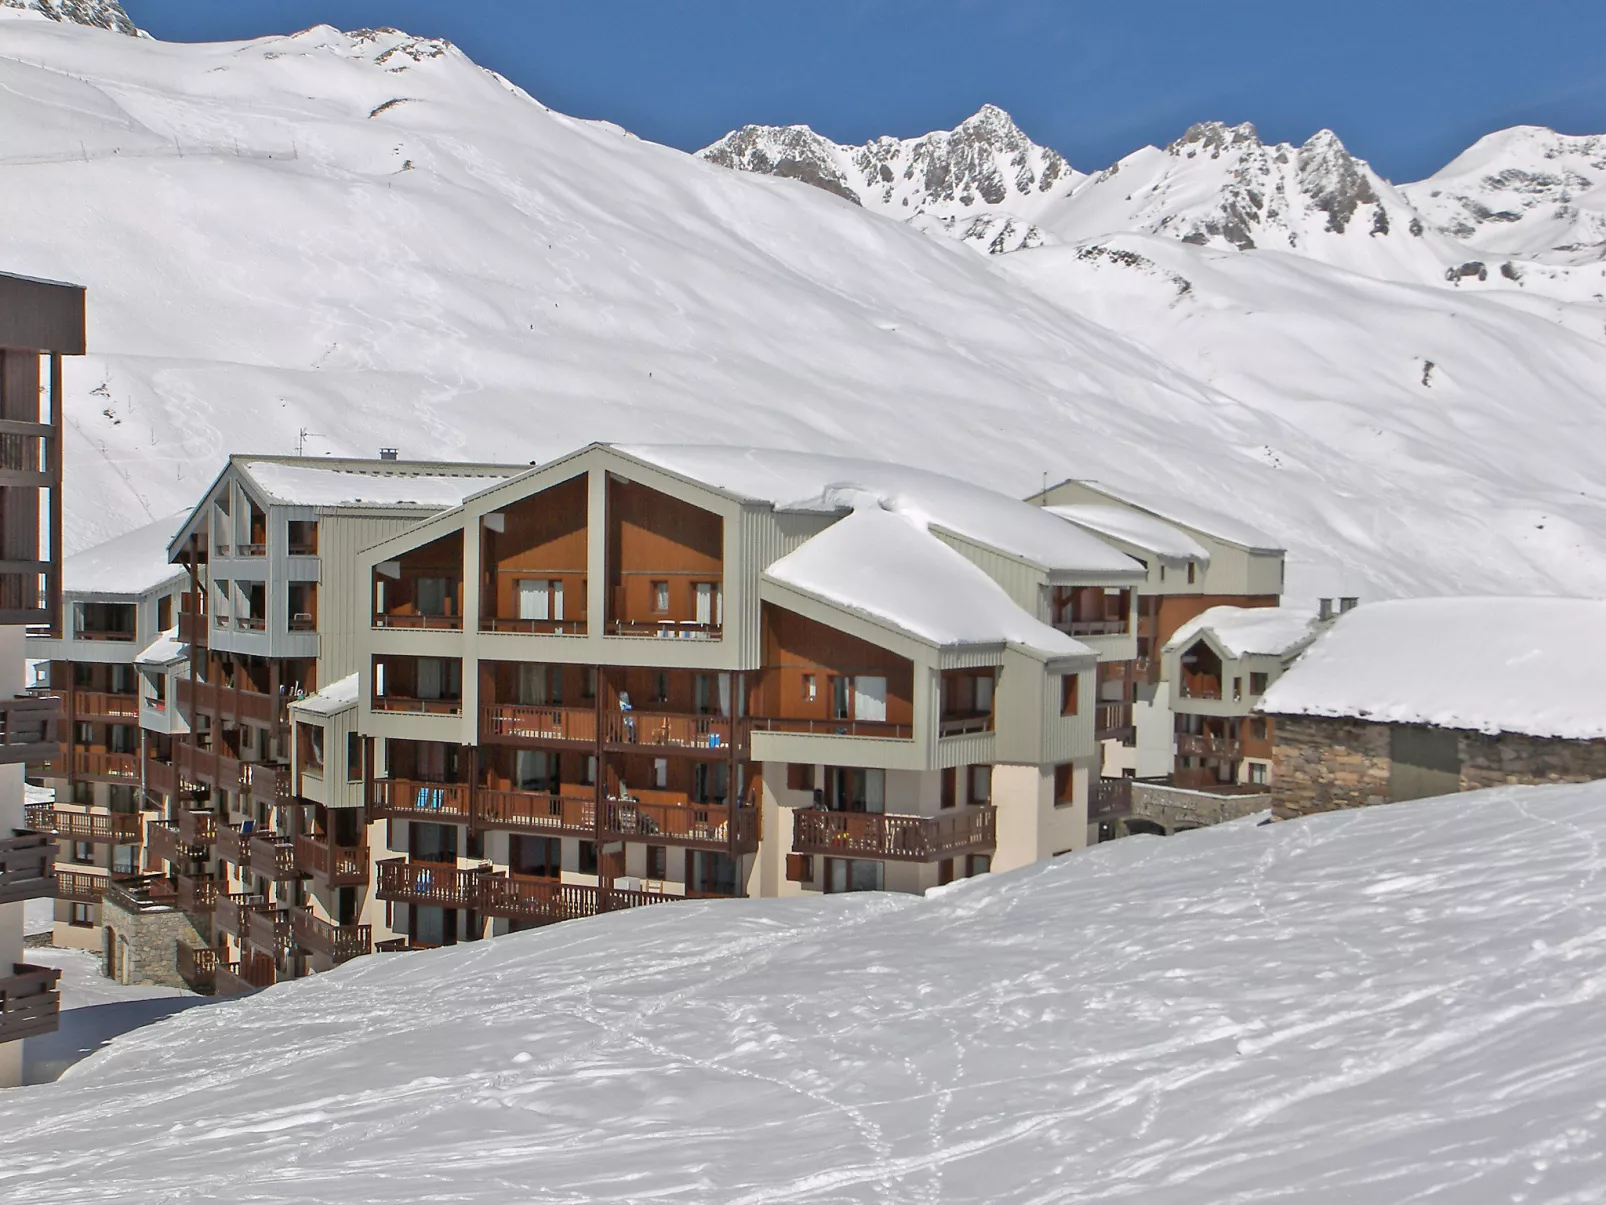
[370,238]
[1399,1004]
[83,986]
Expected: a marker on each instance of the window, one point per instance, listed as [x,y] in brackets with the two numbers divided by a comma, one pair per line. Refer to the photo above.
[1257,728]
[853,875]
[1237,689]
[660,687]
[541,857]
[82,916]
[1191,572]
[588,857]
[870,698]
[708,603]
[660,773]
[1070,694]
[1064,785]
[949,794]
[589,690]
[125,859]
[164,612]
[1258,773]
[810,688]
[303,537]
[353,757]
[434,595]
[981,784]
[83,853]
[856,790]
[976,864]
[1257,684]
[657,862]
[660,598]
[984,694]
[841,698]
[799,777]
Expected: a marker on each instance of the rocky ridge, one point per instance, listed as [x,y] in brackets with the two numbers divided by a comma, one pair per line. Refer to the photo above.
[102,14]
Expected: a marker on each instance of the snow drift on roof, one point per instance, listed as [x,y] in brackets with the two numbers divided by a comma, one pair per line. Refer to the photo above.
[1528,665]
[164,650]
[311,485]
[1227,528]
[129,564]
[1136,528]
[334,698]
[886,566]
[806,481]
[1245,631]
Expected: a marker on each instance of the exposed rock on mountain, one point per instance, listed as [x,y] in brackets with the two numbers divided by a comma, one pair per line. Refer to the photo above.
[103,14]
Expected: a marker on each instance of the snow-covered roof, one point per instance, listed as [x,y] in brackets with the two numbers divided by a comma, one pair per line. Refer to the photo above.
[128,565]
[1247,631]
[887,566]
[332,699]
[1186,513]
[309,483]
[813,482]
[164,650]
[1526,665]
[1133,527]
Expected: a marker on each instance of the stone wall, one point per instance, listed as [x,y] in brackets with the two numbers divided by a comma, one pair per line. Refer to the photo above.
[145,943]
[1175,808]
[1322,765]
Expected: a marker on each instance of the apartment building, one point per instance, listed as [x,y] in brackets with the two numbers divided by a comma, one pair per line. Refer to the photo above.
[40,323]
[640,674]
[117,625]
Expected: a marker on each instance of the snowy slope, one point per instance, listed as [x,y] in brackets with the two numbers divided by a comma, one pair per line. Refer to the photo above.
[984,182]
[370,238]
[1398,1004]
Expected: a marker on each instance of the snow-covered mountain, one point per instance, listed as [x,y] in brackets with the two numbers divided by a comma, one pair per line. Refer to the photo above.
[1393,1004]
[102,14]
[983,182]
[367,237]
[1526,192]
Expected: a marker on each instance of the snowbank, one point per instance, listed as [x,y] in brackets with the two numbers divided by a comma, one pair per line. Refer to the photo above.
[129,564]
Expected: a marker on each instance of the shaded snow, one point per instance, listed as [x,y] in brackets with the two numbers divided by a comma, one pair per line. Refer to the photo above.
[1140,530]
[1529,665]
[164,650]
[312,485]
[1395,1004]
[334,698]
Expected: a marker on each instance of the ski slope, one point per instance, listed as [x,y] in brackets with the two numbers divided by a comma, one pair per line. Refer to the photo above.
[1391,1005]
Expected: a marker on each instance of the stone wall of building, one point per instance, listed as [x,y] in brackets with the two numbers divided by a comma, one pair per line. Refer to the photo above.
[144,943]
[1174,808]
[1322,765]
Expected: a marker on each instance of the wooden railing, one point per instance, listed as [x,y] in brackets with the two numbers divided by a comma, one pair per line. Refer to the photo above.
[233,845]
[165,841]
[141,893]
[30,729]
[547,901]
[405,799]
[662,730]
[102,703]
[339,943]
[517,722]
[159,776]
[671,823]
[877,729]
[273,857]
[1108,798]
[428,884]
[197,966]
[893,838]
[1193,745]
[337,865]
[29,1002]
[94,763]
[269,783]
[197,827]
[1094,627]
[1201,686]
[1112,717]
[105,828]
[429,623]
[534,812]
[109,635]
[251,623]
[27,866]
[534,627]
[230,703]
[232,912]
[241,978]
[268,930]
[81,887]
[963,725]
[192,628]
[410,706]
[197,894]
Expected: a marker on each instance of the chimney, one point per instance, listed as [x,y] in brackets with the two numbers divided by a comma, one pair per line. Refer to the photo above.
[387,453]
[1347,604]
[1324,610]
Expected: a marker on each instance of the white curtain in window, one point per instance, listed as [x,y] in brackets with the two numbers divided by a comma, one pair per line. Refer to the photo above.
[869,698]
[984,694]
[557,599]
[724,694]
[532,685]
[532,599]
[705,602]
[875,791]
[430,677]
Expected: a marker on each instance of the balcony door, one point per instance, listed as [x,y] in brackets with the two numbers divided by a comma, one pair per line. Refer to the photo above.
[436,843]
[539,599]
[854,790]
[540,857]
[857,874]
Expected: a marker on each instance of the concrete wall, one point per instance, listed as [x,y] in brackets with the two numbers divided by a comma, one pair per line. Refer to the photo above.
[1175,809]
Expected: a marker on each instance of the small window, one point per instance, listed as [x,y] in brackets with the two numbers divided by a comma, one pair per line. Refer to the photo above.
[589,690]
[660,688]
[164,612]
[353,757]
[1258,684]
[657,862]
[949,788]
[1258,773]
[588,857]
[660,774]
[981,784]
[799,777]
[841,698]
[1191,572]
[1237,689]
[82,916]
[811,688]
[660,598]
[1064,785]
[83,853]
[1070,694]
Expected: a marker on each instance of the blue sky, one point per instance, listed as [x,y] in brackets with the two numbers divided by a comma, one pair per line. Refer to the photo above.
[1405,83]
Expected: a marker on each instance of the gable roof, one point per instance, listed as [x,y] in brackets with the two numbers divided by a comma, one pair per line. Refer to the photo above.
[1136,528]
[1491,665]
[1248,631]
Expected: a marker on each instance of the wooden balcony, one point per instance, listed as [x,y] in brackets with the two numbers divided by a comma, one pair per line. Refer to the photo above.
[512,722]
[427,884]
[535,812]
[231,914]
[229,704]
[547,901]
[1194,745]
[192,629]
[1108,798]
[883,837]
[165,842]
[197,894]
[142,893]
[432,802]
[103,705]
[680,822]
[244,977]
[273,857]
[159,777]
[98,828]
[196,827]
[264,781]
[198,966]
[408,706]
[30,1005]
[665,732]
[234,845]
[874,729]
[336,865]
[338,943]
[1113,721]
[31,729]
[268,930]
[1200,686]
[80,887]
[27,868]
[1206,779]
[105,767]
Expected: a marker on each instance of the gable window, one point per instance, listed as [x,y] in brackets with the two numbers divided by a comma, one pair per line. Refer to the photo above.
[1258,683]
[1070,694]
[660,598]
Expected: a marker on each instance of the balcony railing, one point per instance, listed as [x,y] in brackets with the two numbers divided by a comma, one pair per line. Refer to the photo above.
[99,828]
[27,866]
[112,635]
[273,857]
[30,729]
[230,703]
[964,725]
[1112,719]
[1195,745]
[232,913]
[893,838]
[429,623]
[1108,798]
[433,802]
[196,827]
[142,893]
[1201,686]
[511,721]
[197,966]
[234,845]
[534,627]
[662,730]
[684,823]
[428,884]
[338,943]
[337,865]
[159,777]
[197,894]
[665,629]
[165,842]
[268,930]
[80,887]
[409,706]
[547,901]
[95,763]
[29,1002]
[875,729]
[534,812]
[102,703]
[1094,627]
[243,978]
[192,628]
[251,623]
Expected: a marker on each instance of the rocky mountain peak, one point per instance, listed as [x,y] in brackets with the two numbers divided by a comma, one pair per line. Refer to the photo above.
[1214,137]
[101,14]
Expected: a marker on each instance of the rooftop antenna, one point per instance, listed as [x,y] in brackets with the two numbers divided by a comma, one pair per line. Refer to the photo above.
[301,440]
[1042,499]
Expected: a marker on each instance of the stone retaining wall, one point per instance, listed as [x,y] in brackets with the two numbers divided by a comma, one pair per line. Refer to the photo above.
[1175,807]
[145,943]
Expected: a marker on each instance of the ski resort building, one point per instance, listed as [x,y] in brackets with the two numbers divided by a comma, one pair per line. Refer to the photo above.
[1413,698]
[40,322]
